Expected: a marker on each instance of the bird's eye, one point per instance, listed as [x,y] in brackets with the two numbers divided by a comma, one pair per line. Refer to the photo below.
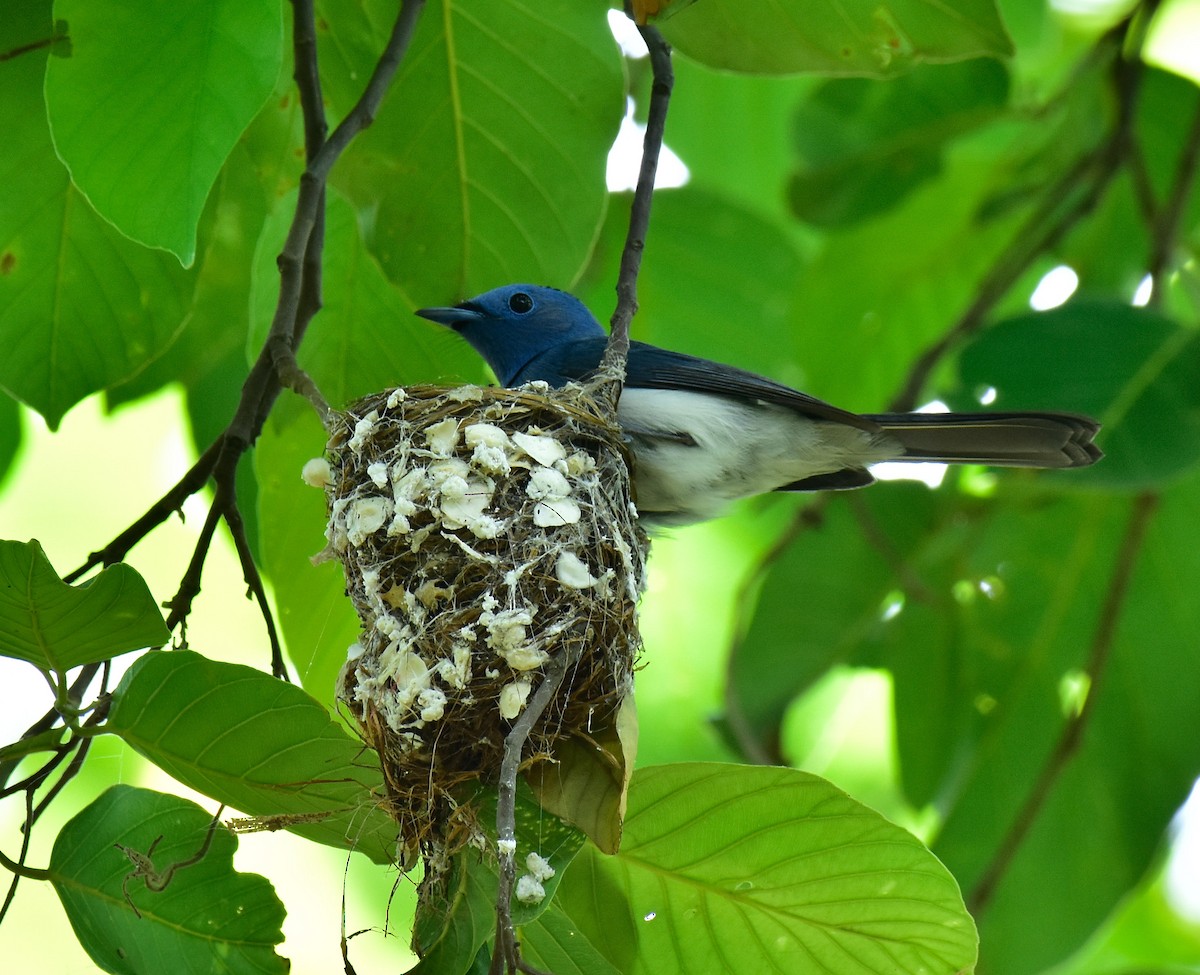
[520,303]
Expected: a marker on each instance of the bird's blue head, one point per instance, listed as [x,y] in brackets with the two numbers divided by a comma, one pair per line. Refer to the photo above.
[513,325]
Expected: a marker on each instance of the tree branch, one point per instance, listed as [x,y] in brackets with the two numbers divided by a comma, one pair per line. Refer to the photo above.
[1165,230]
[639,211]
[506,954]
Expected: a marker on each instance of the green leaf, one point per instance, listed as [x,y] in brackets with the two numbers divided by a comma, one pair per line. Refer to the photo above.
[1136,371]
[553,943]
[55,626]
[863,146]
[365,337]
[738,868]
[206,917]
[256,743]
[152,100]
[1140,750]
[465,181]
[853,37]
[81,307]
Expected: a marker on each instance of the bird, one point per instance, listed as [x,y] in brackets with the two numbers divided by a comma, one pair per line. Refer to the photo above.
[704,434]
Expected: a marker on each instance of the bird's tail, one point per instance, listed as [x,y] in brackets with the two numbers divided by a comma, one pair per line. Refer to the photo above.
[999,439]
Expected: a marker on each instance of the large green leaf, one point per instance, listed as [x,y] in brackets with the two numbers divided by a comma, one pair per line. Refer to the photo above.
[151,101]
[81,307]
[203,917]
[1135,370]
[735,868]
[55,626]
[486,163]
[261,745]
[1139,754]
[863,146]
[850,37]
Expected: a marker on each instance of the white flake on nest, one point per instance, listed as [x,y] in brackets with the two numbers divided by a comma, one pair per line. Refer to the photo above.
[556,513]
[485,526]
[466,394]
[513,697]
[545,450]
[464,501]
[547,483]
[508,636]
[530,890]
[432,703]
[455,670]
[442,437]
[571,572]
[362,430]
[550,489]
[365,517]
[317,473]
[370,579]
[491,447]
[580,463]
[538,866]
[378,473]
[395,398]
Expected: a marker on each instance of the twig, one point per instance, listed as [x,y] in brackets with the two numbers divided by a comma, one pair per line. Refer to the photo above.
[505,954]
[1069,740]
[1166,227]
[639,211]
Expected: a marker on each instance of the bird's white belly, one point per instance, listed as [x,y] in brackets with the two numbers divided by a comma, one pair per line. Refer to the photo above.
[694,452]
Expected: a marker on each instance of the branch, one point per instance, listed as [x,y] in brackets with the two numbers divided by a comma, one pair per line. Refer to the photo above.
[1069,740]
[506,954]
[1165,231]
[639,213]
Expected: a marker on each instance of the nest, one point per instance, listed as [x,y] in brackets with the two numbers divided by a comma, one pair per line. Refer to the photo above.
[483,532]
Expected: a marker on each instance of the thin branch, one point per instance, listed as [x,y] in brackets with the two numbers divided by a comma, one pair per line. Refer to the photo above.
[1166,227]
[505,954]
[1071,736]
[639,211]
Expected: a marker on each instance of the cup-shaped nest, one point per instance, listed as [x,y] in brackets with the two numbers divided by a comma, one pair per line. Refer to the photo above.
[483,532]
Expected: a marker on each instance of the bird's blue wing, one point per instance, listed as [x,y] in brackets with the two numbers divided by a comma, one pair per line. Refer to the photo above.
[650,367]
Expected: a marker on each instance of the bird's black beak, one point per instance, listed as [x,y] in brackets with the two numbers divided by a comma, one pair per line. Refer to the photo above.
[454,317]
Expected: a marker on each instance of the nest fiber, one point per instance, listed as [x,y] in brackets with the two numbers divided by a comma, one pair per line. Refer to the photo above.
[483,532]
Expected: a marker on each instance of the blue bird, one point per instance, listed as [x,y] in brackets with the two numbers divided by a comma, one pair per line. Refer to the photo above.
[704,434]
